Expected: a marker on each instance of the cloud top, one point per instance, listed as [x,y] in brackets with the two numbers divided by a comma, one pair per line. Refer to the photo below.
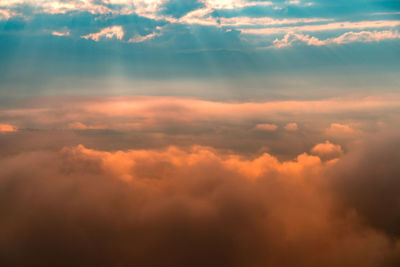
[173,206]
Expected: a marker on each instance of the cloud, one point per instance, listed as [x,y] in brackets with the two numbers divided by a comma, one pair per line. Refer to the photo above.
[6,14]
[7,128]
[156,122]
[56,33]
[81,126]
[324,27]
[327,150]
[59,6]
[233,4]
[146,8]
[350,37]
[249,20]
[109,32]
[266,127]
[172,206]
[140,38]
[266,21]
[341,130]
[367,180]
[160,113]
[204,17]
[291,127]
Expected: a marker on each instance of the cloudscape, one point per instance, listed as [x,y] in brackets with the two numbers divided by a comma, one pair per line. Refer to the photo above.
[241,133]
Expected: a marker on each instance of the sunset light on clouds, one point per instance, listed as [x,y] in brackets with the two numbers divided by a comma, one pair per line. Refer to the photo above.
[241,133]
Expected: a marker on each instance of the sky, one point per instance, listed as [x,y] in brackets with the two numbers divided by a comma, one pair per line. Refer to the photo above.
[241,133]
[138,47]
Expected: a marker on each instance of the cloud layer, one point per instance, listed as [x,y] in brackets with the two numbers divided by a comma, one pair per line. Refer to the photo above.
[245,18]
[178,207]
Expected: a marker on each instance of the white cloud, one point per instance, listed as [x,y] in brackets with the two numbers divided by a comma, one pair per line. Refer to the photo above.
[109,32]
[324,27]
[145,8]
[6,14]
[142,38]
[56,33]
[266,21]
[365,36]
[291,38]
[349,37]
[59,6]
[231,4]
[203,16]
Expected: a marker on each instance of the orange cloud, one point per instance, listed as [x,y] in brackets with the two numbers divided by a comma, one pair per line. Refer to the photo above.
[81,126]
[7,128]
[340,130]
[327,150]
[137,112]
[122,164]
[170,207]
[291,127]
[268,127]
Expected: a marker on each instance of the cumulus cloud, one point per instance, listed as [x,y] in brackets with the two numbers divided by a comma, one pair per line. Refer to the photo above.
[327,150]
[109,32]
[174,206]
[340,130]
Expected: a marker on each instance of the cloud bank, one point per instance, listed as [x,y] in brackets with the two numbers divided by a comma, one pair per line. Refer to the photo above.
[179,207]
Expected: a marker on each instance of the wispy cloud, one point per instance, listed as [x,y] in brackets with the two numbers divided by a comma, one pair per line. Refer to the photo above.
[232,4]
[109,32]
[65,33]
[324,27]
[142,38]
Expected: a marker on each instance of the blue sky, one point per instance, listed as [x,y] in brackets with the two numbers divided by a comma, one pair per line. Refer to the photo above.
[106,46]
